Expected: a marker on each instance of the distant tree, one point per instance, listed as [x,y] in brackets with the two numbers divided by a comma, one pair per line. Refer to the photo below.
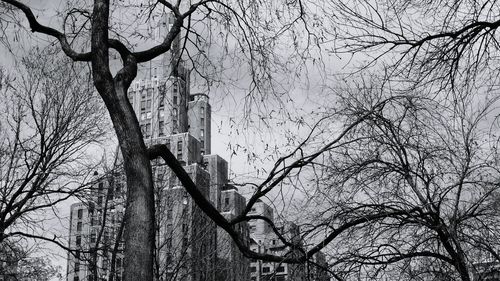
[37,268]
[17,263]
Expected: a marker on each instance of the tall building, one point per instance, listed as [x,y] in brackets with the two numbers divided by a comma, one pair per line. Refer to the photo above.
[186,239]
[96,228]
[79,240]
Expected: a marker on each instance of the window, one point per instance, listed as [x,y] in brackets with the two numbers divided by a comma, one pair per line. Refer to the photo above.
[147,129]
[179,150]
[143,105]
[77,266]
[280,278]
[101,186]
[266,269]
[93,237]
[174,100]
[226,201]
[202,121]
[202,111]
[162,100]
[202,133]
[99,200]
[253,269]
[78,240]
[110,193]
[118,187]
[161,128]
[175,88]
[280,269]
[76,278]
[80,214]
[79,226]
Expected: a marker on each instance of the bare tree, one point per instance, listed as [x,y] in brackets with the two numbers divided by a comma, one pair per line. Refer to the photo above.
[420,177]
[48,119]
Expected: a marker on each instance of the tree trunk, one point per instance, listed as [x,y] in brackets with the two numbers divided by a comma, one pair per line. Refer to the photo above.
[139,215]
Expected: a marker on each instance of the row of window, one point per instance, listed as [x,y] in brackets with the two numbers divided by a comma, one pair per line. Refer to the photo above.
[76,278]
[146,128]
[267,269]
[147,99]
[105,265]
